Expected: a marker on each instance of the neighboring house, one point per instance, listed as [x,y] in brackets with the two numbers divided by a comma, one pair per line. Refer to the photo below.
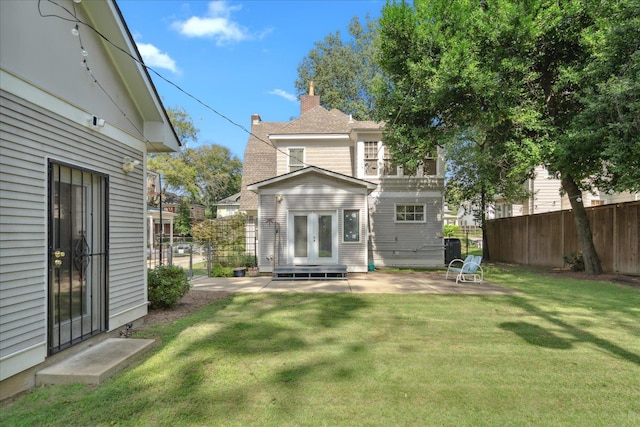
[74,136]
[228,206]
[325,191]
[546,196]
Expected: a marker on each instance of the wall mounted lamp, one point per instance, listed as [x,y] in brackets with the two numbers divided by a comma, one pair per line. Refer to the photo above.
[129,165]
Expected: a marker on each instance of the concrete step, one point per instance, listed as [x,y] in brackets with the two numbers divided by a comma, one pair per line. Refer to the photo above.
[310,272]
[95,364]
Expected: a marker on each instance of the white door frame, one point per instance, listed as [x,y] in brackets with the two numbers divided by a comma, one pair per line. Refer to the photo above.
[313,241]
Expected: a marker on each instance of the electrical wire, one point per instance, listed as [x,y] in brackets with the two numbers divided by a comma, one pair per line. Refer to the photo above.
[77,21]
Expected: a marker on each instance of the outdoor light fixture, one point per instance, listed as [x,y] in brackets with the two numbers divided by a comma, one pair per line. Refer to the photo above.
[129,165]
[95,122]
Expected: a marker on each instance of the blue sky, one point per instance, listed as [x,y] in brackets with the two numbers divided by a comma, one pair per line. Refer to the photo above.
[237,57]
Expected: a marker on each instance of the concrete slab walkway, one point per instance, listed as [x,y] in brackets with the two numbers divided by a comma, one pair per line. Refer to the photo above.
[425,283]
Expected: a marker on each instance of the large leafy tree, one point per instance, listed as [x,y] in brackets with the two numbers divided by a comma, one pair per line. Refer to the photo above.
[205,174]
[343,70]
[526,79]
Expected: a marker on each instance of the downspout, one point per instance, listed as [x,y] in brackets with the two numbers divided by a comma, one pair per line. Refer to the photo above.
[278,199]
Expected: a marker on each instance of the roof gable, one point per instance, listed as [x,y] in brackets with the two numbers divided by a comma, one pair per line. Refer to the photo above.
[309,171]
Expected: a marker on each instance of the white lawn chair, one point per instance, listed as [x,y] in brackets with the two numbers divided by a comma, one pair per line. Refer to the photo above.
[468,270]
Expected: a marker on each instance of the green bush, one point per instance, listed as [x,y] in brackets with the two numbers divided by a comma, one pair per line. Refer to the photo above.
[220,271]
[167,284]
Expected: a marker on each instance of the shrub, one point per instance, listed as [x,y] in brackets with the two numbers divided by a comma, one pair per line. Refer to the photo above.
[575,261]
[167,284]
[220,271]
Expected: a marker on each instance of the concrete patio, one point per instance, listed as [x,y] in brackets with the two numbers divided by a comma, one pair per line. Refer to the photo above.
[376,282]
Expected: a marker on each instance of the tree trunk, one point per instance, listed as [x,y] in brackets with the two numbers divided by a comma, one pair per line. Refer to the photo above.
[483,225]
[585,238]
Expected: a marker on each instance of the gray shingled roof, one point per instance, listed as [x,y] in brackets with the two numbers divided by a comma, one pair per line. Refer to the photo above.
[259,161]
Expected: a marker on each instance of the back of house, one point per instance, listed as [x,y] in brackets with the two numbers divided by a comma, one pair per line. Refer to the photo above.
[325,191]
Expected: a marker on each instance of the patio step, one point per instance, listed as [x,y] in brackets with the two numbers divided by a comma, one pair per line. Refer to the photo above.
[95,364]
[310,272]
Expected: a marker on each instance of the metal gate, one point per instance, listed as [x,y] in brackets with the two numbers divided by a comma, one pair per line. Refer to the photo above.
[78,201]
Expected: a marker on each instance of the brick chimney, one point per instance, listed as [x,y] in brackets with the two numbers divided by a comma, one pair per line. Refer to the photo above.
[255,119]
[307,102]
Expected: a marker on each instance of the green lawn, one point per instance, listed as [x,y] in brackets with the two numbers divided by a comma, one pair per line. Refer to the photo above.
[564,352]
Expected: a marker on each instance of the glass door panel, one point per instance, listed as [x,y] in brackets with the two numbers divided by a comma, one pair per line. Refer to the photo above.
[325,236]
[301,240]
[312,237]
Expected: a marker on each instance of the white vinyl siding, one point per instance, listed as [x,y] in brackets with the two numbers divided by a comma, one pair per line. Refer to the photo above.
[30,137]
[414,244]
[310,193]
[332,155]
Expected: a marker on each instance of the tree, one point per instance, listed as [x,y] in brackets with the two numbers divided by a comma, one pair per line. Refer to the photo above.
[183,220]
[522,78]
[343,71]
[205,174]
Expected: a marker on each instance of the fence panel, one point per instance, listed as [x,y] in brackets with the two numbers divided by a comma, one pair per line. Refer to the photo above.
[232,243]
[544,239]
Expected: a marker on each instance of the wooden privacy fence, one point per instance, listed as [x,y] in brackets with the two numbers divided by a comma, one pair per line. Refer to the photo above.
[543,239]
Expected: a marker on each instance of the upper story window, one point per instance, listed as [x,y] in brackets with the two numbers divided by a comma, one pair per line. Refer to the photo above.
[371,158]
[430,165]
[390,167]
[296,159]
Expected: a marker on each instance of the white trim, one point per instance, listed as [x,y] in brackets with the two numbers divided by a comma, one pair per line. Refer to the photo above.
[395,213]
[313,254]
[307,191]
[308,136]
[312,169]
[290,156]
[35,95]
[421,194]
[129,315]
[22,360]
[351,242]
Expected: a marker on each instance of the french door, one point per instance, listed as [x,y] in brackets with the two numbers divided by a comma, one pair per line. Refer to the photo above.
[313,237]
[77,255]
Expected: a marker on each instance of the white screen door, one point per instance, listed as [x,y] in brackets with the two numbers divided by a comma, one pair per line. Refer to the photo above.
[313,237]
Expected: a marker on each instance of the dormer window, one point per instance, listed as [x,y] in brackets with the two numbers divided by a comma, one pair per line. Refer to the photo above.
[296,159]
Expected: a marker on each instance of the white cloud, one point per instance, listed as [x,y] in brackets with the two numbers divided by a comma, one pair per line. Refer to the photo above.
[152,57]
[283,94]
[216,24]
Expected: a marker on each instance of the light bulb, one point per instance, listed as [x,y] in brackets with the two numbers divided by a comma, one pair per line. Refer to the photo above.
[85,53]
[75,31]
[77,1]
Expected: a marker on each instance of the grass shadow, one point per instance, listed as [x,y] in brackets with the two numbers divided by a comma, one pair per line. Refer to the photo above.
[580,335]
[536,335]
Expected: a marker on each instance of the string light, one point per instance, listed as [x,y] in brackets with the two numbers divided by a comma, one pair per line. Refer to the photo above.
[76,32]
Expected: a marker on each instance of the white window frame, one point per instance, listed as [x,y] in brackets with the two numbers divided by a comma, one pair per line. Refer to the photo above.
[372,159]
[290,157]
[344,212]
[405,221]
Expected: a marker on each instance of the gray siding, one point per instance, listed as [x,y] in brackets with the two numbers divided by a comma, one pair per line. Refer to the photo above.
[311,193]
[30,136]
[406,244]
